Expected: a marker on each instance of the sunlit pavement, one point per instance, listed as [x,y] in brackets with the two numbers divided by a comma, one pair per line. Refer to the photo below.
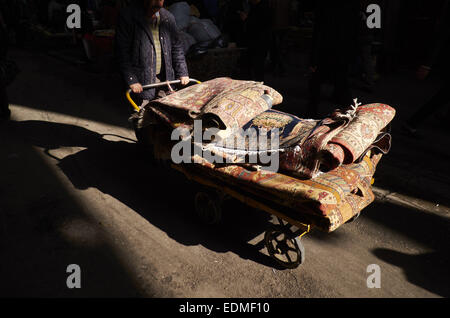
[74,189]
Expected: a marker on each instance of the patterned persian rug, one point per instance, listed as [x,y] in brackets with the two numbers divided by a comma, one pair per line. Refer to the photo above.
[327,201]
[326,166]
[222,102]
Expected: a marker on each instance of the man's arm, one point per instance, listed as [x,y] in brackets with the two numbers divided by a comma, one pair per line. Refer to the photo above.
[124,42]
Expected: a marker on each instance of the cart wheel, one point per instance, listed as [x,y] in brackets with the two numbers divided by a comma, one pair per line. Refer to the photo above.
[288,252]
[208,208]
[354,218]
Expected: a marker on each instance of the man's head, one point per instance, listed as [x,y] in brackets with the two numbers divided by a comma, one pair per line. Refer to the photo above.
[154,5]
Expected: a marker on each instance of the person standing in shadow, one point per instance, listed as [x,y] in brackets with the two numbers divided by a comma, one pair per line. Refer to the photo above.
[281,14]
[231,21]
[258,22]
[439,48]
[334,43]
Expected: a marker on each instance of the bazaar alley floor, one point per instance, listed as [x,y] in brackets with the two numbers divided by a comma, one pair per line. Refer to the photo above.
[74,189]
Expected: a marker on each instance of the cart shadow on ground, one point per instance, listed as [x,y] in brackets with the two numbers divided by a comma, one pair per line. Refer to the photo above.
[428,270]
[43,229]
[164,197]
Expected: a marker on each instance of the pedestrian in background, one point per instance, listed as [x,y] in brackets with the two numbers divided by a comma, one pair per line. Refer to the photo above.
[281,18]
[233,21]
[365,57]
[258,23]
[334,46]
[440,48]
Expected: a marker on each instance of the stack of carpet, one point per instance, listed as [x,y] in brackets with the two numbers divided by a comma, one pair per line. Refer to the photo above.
[325,166]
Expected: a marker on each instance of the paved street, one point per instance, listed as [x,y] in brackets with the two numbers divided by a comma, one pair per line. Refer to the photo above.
[74,189]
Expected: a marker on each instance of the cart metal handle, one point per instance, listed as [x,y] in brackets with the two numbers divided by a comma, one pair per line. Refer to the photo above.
[154,85]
